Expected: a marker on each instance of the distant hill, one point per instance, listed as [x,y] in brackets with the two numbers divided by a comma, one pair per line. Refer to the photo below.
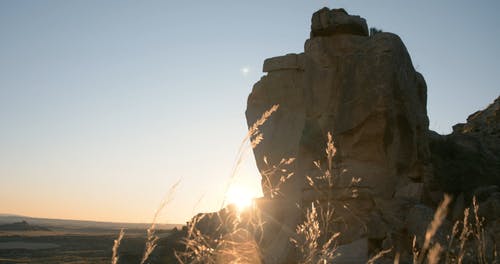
[78,224]
[22,226]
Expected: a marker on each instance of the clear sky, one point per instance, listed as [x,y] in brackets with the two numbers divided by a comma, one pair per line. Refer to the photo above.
[106,104]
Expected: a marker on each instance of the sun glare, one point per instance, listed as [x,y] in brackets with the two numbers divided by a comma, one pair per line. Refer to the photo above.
[240,196]
[245,70]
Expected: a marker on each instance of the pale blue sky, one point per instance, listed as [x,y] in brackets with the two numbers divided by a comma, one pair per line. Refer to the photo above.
[105,104]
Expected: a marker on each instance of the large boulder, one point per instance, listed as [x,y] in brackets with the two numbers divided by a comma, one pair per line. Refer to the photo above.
[366,93]
[326,22]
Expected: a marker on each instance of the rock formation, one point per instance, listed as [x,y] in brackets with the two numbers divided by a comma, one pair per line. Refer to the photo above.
[365,91]
[352,117]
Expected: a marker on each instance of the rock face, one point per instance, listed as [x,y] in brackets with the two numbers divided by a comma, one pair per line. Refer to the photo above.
[366,93]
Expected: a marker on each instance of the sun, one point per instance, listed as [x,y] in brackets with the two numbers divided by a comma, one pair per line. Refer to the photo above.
[240,196]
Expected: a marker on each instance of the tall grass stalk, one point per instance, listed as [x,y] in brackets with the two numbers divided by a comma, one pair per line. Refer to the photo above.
[228,245]
[315,244]
[310,248]
[379,255]
[464,235]
[478,232]
[116,245]
[437,221]
[269,186]
[233,241]
[434,254]
[152,239]
[255,136]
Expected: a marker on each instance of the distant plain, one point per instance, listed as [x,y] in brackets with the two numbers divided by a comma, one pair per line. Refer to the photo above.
[70,241]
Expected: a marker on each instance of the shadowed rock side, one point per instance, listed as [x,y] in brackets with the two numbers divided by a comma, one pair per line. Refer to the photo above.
[365,91]
[467,161]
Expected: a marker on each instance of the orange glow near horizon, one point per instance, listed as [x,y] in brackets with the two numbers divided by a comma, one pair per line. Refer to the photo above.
[137,204]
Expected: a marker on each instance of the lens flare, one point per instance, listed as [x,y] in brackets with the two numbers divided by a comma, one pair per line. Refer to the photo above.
[240,196]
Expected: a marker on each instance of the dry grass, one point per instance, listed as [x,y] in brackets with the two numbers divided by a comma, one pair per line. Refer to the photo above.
[200,248]
[116,245]
[315,242]
[275,171]
[467,242]
[255,136]
[238,236]
[254,133]
[310,246]
[152,239]
[381,254]
[440,215]
[478,233]
[234,241]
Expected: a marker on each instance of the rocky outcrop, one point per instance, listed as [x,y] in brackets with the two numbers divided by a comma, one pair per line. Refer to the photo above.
[366,92]
[484,124]
[468,158]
